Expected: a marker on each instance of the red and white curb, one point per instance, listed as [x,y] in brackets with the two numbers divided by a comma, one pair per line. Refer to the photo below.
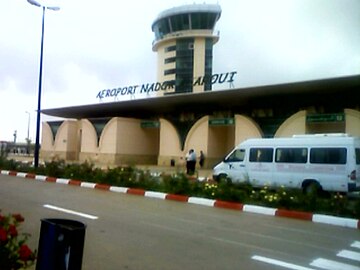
[317,218]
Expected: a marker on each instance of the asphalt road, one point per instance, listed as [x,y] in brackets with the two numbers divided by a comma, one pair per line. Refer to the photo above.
[135,232]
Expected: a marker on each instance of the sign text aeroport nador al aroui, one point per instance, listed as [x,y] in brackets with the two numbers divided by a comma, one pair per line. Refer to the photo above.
[148,88]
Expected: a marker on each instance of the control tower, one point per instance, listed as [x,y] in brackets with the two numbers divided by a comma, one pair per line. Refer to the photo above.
[184,39]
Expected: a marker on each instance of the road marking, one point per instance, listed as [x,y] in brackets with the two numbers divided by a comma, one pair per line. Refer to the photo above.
[280,263]
[349,255]
[356,244]
[68,211]
[332,265]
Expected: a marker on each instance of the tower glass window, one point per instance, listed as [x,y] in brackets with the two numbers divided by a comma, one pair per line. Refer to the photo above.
[170,60]
[161,28]
[170,48]
[169,71]
[183,22]
[208,62]
[184,65]
[180,22]
[202,20]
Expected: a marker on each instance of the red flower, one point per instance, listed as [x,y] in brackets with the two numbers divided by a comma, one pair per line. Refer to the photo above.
[25,253]
[12,230]
[14,253]
[18,217]
[3,235]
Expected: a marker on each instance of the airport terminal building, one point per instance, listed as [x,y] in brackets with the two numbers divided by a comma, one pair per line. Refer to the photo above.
[186,113]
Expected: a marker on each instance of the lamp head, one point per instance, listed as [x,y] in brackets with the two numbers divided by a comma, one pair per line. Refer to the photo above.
[36,3]
[53,8]
[33,2]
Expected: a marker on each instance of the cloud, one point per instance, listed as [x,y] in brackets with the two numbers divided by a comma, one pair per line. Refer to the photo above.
[13,100]
[95,45]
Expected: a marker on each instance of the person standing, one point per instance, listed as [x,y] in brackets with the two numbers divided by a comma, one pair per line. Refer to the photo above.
[201,159]
[190,162]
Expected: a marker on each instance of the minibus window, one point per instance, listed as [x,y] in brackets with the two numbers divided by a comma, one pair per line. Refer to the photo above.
[291,155]
[237,155]
[328,155]
[357,154]
[261,155]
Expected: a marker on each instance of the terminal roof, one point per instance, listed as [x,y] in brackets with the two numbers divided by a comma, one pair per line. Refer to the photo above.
[342,92]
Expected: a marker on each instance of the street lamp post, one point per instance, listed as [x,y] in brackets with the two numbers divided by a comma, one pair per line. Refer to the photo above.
[28,127]
[37,140]
[28,135]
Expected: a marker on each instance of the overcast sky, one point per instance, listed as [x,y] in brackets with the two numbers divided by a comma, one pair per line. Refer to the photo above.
[94,45]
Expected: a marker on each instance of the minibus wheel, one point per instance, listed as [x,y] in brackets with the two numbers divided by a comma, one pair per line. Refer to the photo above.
[311,187]
[221,177]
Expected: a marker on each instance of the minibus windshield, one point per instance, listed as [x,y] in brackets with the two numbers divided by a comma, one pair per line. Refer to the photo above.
[236,155]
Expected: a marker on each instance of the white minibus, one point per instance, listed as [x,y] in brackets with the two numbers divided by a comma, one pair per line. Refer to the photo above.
[329,162]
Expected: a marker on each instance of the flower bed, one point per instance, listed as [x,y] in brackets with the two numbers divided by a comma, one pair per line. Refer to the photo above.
[181,184]
[14,252]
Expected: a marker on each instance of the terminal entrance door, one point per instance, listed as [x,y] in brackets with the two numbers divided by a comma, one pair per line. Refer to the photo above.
[221,139]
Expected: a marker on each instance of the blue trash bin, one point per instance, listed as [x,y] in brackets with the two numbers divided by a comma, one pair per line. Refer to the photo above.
[61,244]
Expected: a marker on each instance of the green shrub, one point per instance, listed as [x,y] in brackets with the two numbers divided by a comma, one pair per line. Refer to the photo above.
[54,168]
[232,192]
[10,164]
[355,208]
[176,184]
[84,171]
